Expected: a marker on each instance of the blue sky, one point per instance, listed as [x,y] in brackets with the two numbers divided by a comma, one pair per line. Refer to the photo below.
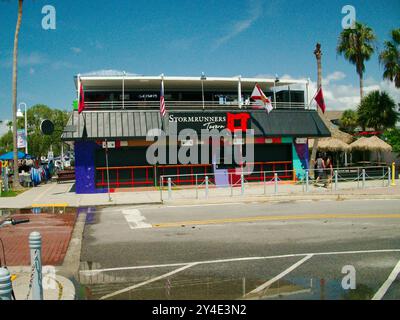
[183,37]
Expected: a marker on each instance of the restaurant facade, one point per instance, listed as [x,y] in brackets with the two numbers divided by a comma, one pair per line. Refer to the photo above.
[121,123]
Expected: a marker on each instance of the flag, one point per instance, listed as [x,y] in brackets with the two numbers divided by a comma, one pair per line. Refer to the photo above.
[319,98]
[162,100]
[260,97]
[81,103]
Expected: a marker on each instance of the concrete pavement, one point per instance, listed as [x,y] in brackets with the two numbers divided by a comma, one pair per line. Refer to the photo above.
[223,251]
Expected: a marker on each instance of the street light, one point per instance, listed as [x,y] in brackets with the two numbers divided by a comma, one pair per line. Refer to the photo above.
[202,78]
[20,115]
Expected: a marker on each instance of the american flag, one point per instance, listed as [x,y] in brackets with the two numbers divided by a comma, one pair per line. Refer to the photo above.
[162,100]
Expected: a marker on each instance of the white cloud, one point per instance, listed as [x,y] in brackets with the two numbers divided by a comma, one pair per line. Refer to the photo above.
[26,60]
[240,26]
[76,50]
[340,96]
[335,76]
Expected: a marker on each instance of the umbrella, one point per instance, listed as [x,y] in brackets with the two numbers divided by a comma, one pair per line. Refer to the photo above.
[330,144]
[371,144]
[10,156]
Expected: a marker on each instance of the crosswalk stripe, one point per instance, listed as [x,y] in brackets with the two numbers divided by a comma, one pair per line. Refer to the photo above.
[135,219]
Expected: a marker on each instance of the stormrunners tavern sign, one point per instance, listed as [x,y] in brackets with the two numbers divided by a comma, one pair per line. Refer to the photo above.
[212,120]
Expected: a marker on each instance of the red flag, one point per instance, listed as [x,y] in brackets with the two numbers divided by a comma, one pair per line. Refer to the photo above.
[319,98]
[81,104]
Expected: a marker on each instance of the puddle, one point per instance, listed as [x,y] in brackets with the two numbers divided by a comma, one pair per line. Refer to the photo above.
[90,212]
[225,288]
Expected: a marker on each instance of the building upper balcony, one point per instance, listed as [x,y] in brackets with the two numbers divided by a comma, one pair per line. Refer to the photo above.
[212,93]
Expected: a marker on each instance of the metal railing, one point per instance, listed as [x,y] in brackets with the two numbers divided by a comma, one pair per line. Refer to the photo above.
[274,182]
[106,105]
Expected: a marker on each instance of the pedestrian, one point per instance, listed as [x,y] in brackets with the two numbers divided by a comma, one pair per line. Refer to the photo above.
[319,168]
[329,172]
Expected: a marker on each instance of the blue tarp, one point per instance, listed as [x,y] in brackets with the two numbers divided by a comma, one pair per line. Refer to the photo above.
[10,156]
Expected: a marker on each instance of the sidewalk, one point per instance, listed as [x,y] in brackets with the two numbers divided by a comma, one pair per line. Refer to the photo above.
[61,193]
[56,231]
[53,193]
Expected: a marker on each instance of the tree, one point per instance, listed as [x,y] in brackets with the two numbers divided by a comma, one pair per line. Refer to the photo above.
[377,111]
[16,184]
[39,144]
[357,46]
[6,142]
[390,58]
[393,138]
[348,121]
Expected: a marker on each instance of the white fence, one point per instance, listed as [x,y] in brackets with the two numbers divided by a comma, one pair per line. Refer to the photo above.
[228,184]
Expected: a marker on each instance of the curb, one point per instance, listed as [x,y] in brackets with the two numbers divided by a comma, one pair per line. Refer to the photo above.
[283,198]
[70,265]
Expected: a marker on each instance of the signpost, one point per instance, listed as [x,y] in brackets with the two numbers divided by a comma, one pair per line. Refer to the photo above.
[21,138]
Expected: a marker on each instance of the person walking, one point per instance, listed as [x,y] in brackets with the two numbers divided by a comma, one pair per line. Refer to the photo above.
[320,166]
[329,172]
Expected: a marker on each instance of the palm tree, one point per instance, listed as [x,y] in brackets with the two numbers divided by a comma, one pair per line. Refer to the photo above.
[16,184]
[357,45]
[390,58]
[349,121]
[318,56]
[378,111]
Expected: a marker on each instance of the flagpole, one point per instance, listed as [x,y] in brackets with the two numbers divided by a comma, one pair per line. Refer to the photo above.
[108,173]
[79,87]
[163,90]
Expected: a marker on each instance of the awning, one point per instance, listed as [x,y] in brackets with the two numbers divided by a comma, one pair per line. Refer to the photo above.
[123,124]
[10,156]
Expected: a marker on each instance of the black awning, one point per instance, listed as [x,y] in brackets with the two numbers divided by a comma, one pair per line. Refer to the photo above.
[135,124]
[293,123]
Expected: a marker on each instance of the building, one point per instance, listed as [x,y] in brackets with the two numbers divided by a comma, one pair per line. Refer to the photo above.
[121,109]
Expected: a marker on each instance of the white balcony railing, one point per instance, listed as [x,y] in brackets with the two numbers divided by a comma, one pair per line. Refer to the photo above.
[173,105]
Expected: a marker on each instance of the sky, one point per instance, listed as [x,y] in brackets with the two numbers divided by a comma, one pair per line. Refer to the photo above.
[186,37]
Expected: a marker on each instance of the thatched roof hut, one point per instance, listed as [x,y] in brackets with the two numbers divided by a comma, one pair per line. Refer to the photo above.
[336,133]
[330,144]
[370,144]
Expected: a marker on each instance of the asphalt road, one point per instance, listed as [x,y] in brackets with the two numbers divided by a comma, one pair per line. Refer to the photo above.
[292,250]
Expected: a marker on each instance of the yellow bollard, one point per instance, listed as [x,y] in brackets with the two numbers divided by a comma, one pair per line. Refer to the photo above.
[393,173]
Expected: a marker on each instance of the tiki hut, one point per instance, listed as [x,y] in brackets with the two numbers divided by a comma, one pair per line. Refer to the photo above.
[338,142]
[330,144]
[373,144]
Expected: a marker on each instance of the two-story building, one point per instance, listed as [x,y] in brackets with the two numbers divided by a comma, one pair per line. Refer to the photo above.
[110,136]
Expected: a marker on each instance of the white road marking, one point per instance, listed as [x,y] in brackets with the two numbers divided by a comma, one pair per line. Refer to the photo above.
[147,281]
[392,277]
[96,271]
[135,219]
[279,276]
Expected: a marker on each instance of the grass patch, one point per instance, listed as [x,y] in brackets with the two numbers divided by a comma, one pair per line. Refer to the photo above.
[11,193]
